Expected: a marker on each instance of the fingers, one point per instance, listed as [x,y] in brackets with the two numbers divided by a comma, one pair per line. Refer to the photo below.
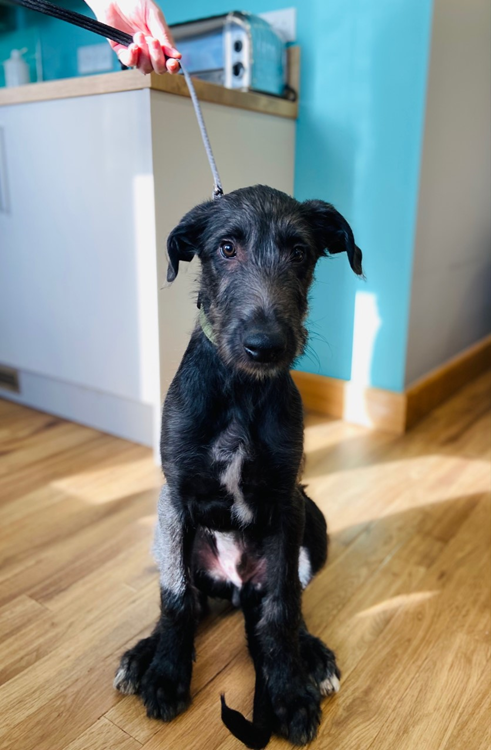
[147,54]
[162,58]
[127,55]
[157,56]
[144,63]
[171,51]
[172,66]
[158,28]
[153,47]
[172,57]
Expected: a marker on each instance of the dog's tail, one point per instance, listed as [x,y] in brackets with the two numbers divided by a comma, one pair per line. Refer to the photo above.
[256,733]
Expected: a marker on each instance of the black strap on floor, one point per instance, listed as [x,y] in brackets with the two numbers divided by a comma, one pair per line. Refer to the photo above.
[109,32]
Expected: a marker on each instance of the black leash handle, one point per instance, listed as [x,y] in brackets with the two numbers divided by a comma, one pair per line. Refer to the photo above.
[109,32]
[77,19]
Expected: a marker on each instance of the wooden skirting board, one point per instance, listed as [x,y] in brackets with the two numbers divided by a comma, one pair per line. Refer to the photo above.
[434,388]
[343,399]
[388,410]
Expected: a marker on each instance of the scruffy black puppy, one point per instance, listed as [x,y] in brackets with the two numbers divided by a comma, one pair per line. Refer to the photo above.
[234,522]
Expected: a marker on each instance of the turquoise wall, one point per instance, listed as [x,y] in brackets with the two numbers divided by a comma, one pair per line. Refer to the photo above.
[359,138]
[59,41]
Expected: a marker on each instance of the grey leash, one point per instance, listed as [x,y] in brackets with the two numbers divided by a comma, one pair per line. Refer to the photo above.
[49,9]
[217,189]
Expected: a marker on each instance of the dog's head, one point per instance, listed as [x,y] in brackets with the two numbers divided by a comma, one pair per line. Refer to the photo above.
[258,248]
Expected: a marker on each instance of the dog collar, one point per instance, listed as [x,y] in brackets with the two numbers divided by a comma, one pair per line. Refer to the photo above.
[206,327]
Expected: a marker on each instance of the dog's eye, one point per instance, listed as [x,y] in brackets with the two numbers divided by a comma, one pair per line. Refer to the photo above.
[227,249]
[297,255]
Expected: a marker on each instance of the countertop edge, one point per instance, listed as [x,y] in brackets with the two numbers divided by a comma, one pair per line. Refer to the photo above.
[132,80]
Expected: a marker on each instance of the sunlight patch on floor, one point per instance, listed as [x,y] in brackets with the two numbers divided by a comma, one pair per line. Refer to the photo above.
[363,494]
[321,432]
[147,521]
[403,600]
[111,483]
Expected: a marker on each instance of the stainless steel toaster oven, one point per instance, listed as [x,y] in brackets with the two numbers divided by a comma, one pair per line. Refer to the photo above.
[236,50]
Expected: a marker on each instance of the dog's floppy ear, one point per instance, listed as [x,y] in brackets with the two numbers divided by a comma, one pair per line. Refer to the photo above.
[184,242]
[332,232]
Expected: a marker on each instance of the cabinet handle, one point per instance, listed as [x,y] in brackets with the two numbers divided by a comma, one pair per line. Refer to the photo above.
[4,187]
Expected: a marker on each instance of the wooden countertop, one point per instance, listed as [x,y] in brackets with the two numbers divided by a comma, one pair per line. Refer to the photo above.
[130,80]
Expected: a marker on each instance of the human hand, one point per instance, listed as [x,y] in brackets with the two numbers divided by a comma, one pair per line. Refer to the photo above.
[153,45]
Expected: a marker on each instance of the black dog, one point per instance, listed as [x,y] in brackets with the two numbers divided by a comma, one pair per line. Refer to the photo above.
[234,522]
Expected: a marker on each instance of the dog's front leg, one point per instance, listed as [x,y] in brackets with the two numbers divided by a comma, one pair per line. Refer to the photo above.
[165,688]
[295,699]
[159,668]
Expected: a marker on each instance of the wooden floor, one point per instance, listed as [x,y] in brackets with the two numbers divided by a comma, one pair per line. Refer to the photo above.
[404,599]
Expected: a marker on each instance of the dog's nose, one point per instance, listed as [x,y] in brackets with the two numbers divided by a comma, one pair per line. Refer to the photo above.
[264,347]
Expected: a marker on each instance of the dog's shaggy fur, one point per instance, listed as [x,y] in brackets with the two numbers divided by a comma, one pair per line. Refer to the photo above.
[234,522]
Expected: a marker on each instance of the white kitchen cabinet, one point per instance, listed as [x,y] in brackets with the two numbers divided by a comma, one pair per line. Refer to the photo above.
[92,185]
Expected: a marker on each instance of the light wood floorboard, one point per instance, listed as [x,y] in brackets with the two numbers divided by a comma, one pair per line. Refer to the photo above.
[404,600]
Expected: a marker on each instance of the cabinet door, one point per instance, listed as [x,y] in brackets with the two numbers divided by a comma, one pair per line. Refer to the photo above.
[77,249]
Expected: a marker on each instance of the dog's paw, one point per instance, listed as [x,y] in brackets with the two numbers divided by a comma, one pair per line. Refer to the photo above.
[164,697]
[321,664]
[133,665]
[297,710]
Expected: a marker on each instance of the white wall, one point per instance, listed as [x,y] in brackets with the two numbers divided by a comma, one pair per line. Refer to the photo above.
[451,290]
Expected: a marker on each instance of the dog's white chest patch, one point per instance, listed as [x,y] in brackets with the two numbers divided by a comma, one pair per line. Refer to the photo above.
[228,557]
[230,450]
[230,479]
